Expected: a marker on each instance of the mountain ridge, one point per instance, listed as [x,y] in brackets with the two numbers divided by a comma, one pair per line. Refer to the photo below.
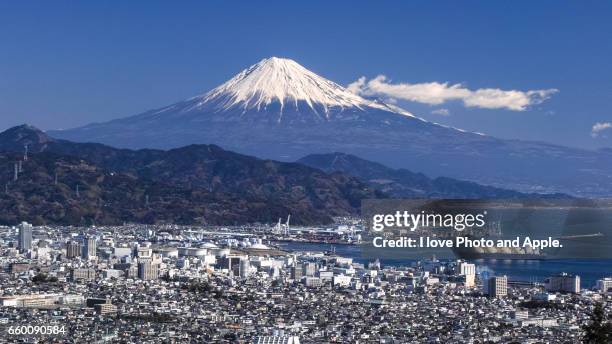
[249,115]
[196,175]
[162,166]
[403,183]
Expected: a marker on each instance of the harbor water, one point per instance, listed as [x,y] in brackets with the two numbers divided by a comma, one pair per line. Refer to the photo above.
[589,270]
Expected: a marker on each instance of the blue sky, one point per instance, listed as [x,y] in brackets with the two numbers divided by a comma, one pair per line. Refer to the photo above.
[65,64]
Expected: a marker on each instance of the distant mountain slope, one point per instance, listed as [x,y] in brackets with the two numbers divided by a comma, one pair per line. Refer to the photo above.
[112,198]
[279,110]
[402,182]
[261,190]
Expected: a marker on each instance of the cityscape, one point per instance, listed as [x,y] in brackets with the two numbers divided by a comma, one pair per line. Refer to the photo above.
[177,284]
[320,172]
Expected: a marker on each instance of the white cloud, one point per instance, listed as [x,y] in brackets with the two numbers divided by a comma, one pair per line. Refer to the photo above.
[441,112]
[357,85]
[599,127]
[436,93]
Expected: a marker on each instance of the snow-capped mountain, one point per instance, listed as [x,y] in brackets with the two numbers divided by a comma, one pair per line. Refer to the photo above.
[276,90]
[286,86]
[278,109]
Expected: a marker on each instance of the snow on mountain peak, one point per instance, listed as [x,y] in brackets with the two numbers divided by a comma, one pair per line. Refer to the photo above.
[287,82]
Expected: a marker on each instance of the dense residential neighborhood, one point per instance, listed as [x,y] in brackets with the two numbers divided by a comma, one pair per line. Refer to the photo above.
[176,284]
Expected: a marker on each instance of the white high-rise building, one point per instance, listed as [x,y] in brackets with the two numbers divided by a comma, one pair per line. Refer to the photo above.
[498,286]
[604,285]
[468,270]
[277,340]
[73,249]
[25,237]
[310,269]
[89,247]
[564,283]
[245,268]
[148,271]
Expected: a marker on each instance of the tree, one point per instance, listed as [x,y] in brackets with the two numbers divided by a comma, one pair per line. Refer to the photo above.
[230,336]
[599,330]
[40,278]
[43,278]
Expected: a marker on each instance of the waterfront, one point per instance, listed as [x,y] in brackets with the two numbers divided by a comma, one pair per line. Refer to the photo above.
[589,270]
[173,284]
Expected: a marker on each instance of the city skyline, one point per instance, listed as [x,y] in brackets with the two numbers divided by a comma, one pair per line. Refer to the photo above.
[275,284]
[305,172]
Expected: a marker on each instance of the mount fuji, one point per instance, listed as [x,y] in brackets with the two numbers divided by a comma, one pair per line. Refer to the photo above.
[280,110]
